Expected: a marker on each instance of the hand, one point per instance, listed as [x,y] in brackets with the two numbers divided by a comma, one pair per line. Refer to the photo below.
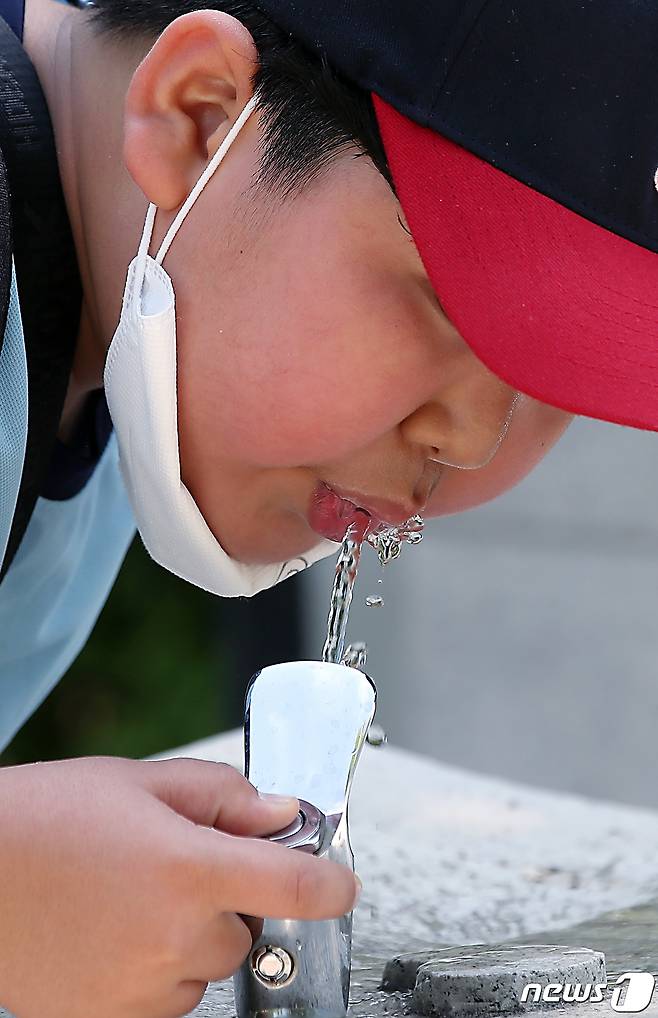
[121,884]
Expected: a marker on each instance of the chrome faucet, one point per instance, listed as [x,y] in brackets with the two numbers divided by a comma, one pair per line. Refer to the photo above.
[305,725]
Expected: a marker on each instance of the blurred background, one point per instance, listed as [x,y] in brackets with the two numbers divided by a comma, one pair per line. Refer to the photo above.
[520,639]
[166,664]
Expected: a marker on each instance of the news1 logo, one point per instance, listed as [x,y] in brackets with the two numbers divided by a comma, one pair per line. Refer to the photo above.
[631,994]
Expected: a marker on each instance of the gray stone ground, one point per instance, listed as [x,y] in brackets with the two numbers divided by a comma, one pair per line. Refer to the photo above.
[449,858]
[521,639]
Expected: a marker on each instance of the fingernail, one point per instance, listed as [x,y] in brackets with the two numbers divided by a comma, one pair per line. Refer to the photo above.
[278,800]
[359,888]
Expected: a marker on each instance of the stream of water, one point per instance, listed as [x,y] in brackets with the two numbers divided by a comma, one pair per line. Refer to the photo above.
[387,543]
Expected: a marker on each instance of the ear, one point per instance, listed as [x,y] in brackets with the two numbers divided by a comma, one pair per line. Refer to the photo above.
[183,99]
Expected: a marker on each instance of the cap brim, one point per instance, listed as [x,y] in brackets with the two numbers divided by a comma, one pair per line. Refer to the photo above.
[556,306]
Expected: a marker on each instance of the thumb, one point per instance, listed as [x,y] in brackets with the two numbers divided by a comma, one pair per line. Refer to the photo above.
[216,795]
[259,878]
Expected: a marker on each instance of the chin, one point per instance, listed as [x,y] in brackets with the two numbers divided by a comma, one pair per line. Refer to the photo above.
[266,546]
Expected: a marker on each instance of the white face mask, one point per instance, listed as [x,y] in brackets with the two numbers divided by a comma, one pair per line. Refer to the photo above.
[140,386]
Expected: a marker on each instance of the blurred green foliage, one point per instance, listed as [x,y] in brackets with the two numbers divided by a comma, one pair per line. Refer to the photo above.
[154,675]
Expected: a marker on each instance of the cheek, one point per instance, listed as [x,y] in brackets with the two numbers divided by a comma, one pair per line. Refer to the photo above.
[317,360]
[535,430]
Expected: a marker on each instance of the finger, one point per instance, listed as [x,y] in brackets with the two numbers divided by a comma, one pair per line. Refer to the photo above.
[187,997]
[254,925]
[216,795]
[221,949]
[268,880]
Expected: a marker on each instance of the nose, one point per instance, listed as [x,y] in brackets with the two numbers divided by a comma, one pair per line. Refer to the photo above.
[465,421]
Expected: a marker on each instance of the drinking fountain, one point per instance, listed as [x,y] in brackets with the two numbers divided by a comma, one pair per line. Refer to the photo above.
[305,726]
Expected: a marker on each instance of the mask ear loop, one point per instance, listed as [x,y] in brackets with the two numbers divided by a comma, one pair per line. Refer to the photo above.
[499,441]
[149,222]
[205,177]
[143,249]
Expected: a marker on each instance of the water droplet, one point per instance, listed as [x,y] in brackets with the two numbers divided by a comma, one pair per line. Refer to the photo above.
[388,541]
[356,656]
[374,601]
[376,736]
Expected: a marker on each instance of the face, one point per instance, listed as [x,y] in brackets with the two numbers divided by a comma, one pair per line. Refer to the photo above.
[318,372]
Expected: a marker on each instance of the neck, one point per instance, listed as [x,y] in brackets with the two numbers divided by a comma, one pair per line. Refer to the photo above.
[85,76]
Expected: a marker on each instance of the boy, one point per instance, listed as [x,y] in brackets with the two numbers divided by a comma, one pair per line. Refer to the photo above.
[319,361]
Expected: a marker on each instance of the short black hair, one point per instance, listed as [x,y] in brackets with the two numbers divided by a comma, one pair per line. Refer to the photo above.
[311,113]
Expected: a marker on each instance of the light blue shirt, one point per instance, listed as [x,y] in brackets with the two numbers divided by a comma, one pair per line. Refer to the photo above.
[68,558]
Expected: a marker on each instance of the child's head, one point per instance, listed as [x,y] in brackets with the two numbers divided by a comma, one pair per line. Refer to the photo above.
[312,347]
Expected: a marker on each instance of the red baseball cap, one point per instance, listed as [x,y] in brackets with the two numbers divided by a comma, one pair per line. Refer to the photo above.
[522,139]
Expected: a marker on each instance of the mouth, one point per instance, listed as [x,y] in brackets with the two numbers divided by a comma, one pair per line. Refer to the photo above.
[331,513]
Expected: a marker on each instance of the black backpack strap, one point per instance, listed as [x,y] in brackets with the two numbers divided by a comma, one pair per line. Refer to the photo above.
[49,286]
[5,249]
[13,11]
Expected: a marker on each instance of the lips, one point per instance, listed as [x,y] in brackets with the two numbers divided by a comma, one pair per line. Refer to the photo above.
[383,512]
[331,514]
